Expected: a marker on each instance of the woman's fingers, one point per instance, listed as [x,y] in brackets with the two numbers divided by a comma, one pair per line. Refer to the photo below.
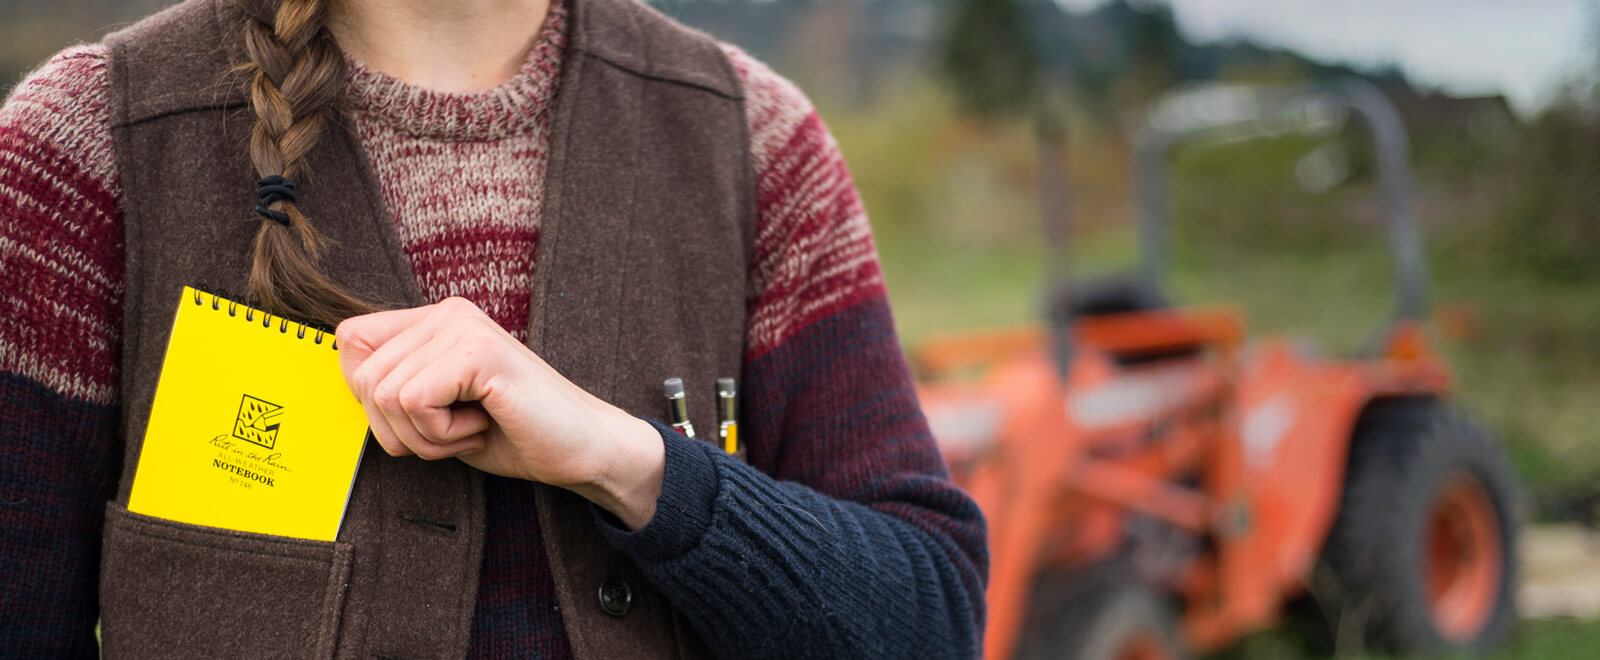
[417,397]
[365,372]
[396,393]
[361,337]
[430,400]
[410,368]
[373,382]
[381,431]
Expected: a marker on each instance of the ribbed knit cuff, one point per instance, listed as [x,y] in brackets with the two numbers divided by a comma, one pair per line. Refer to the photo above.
[689,487]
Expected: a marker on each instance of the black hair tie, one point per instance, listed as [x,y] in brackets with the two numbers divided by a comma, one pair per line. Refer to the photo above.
[272,189]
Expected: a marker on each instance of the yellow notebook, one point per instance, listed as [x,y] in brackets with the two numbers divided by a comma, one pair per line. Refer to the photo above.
[253,427]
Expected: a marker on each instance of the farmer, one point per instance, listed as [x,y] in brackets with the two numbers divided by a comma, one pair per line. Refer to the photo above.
[520,216]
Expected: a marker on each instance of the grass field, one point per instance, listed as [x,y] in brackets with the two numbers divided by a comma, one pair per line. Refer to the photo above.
[1533,640]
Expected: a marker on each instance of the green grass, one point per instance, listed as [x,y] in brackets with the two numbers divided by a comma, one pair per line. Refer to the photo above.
[1532,640]
[1556,638]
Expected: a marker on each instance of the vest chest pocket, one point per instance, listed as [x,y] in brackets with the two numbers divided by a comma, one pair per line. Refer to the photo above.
[170,589]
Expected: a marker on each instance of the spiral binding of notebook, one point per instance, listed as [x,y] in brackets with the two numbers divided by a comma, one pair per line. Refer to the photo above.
[218,303]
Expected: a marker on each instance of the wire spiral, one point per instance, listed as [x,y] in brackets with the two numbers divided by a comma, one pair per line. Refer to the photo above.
[284,323]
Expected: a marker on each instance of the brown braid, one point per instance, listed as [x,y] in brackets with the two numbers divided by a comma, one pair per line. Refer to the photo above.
[297,76]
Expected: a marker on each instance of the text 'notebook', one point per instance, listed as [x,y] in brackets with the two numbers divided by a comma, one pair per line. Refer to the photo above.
[253,428]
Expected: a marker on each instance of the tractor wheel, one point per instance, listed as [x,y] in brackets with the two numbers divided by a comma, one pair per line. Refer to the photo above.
[1423,553]
[1099,615]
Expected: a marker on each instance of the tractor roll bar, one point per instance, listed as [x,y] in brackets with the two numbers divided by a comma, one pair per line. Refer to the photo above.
[1234,112]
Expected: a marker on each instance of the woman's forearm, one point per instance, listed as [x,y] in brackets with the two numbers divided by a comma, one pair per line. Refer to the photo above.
[767,568]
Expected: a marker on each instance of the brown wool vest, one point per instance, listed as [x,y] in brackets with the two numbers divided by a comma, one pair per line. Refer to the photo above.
[641,274]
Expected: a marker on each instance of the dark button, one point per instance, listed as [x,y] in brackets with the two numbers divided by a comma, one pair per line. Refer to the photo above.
[615,596]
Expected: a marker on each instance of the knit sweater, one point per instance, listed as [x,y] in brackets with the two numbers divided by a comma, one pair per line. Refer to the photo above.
[841,536]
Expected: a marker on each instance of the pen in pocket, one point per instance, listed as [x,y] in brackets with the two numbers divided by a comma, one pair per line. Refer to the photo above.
[728,414]
[677,406]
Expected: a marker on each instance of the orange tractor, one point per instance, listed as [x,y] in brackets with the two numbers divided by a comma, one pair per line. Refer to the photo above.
[1156,484]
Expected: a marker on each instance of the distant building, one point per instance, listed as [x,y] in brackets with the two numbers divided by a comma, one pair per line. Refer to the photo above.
[1481,118]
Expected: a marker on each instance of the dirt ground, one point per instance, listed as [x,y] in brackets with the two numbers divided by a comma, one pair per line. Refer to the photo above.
[1561,572]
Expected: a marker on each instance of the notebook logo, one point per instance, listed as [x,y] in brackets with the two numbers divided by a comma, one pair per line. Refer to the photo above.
[257,421]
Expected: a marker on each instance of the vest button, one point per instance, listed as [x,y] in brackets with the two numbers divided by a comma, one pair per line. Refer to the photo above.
[616,596]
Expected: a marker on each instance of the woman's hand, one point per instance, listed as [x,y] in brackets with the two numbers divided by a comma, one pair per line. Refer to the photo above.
[445,380]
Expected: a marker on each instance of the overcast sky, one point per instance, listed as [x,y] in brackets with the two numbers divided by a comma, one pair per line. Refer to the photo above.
[1521,48]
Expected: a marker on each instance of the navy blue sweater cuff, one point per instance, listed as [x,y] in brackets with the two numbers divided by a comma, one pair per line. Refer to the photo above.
[689,487]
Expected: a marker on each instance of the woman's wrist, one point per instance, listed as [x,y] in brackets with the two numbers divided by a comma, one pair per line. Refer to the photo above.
[627,483]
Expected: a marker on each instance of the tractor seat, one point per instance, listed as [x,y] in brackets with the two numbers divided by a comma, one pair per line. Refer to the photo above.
[1080,300]
[1103,296]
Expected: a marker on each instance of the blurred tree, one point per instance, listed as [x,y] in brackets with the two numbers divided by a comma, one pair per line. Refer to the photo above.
[988,59]
[1156,59]
[995,71]
[1548,225]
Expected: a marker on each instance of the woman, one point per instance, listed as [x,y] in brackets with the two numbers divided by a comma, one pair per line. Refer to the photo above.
[592,198]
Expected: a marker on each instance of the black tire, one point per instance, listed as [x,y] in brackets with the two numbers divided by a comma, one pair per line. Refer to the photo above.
[1094,614]
[1372,587]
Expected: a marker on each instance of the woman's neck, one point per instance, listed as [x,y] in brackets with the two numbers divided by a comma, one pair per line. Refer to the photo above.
[445,45]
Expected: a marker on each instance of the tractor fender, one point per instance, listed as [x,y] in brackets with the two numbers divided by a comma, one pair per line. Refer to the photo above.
[1294,424]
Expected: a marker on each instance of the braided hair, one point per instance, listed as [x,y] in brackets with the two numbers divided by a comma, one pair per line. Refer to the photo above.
[296,74]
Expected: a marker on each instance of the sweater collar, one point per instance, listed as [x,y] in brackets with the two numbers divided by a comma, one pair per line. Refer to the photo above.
[515,106]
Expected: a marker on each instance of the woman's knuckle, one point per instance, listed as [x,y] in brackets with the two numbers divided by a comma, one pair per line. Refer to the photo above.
[361,380]
[351,331]
[384,396]
[412,397]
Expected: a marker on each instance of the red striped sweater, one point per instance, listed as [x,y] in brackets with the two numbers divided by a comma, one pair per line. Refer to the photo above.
[462,176]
